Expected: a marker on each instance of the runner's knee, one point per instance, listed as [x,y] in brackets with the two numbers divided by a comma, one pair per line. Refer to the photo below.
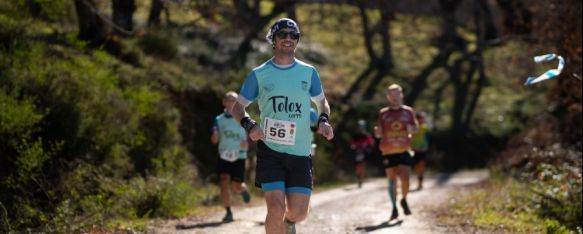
[275,201]
[296,214]
[276,210]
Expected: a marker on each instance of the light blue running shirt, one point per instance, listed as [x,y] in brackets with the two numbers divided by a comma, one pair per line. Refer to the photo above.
[230,134]
[283,94]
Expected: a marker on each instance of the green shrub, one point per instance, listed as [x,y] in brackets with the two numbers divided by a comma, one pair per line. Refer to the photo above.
[554,227]
[86,141]
[159,45]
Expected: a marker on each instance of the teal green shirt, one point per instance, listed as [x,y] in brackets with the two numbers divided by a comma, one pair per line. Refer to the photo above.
[230,134]
[284,94]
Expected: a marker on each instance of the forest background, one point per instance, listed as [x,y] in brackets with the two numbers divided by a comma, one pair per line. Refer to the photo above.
[106,106]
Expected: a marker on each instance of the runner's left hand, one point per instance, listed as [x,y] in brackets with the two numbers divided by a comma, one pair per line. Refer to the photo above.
[326,130]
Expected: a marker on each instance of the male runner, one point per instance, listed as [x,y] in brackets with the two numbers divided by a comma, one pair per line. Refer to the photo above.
[232,140]
[361,144]
[283,87]
[396,123]
[420,144]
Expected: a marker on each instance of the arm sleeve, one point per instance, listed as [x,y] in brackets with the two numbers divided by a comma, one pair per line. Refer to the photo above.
[316,88]
[249,90]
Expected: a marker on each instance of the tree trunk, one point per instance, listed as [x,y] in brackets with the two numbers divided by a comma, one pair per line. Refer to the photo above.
[482,79]
[386,17]
[250,13]
[33,7]
[420,82]
[437,99]
[461,92]
[482,13]
[290,11]
[91,27]
[450,37]
[123,13]
[517,17]
[155,12]
[367,33]
[448,42]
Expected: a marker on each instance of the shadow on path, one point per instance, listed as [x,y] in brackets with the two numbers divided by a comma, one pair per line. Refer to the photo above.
[205,225]
[442,178]
[199,225]
[385,224]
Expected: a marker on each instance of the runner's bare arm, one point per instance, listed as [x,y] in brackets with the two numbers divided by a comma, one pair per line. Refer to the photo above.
[215,137]
[414,127]
[238,112]
[324,127]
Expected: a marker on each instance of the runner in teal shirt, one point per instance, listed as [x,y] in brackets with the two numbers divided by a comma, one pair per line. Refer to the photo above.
[232,140]
[283,87]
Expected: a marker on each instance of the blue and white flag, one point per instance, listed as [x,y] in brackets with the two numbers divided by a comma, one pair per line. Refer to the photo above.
[550,73]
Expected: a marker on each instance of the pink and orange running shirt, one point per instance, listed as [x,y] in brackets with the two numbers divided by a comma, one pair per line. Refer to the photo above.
[393,123]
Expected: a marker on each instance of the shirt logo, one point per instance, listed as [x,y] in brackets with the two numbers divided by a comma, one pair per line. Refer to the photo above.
[230,134]
[268,88]
[304,85]
[283,104]
[396,126]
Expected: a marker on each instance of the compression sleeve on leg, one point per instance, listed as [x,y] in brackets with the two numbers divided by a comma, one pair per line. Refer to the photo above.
[392,192]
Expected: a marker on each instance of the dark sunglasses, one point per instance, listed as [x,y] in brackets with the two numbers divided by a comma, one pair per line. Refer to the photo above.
[283,34]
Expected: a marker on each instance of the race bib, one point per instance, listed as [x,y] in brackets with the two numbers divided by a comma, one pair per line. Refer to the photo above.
[280,131]
[230,155]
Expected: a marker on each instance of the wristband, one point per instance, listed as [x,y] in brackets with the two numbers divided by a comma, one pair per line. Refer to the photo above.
[247,123]
[323,118]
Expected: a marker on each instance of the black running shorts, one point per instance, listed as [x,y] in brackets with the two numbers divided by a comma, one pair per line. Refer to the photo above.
[234,169]
[282,171]
[393,160]
[419,156]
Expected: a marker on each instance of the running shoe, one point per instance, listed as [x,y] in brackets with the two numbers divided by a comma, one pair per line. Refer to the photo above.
[290,227]
[395,214]
[228,217]
[405,206]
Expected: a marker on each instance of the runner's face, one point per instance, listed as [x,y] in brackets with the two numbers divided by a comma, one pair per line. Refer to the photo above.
[285,45]
[228,102]
[394,97]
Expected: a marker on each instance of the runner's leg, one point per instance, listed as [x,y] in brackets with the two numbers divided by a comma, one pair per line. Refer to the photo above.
[225,196]
[360,173]
[392,177]
[275,201]
[420,170]
[404,171]
[297,206]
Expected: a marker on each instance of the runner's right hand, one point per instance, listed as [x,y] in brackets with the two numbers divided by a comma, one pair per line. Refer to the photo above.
[256,134]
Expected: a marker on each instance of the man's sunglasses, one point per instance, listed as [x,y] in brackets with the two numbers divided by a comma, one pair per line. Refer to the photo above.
[283,34]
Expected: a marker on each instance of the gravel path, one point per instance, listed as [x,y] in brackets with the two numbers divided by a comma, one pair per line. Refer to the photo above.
[347,209]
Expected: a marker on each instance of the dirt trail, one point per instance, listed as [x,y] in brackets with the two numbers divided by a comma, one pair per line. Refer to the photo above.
[344,210]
